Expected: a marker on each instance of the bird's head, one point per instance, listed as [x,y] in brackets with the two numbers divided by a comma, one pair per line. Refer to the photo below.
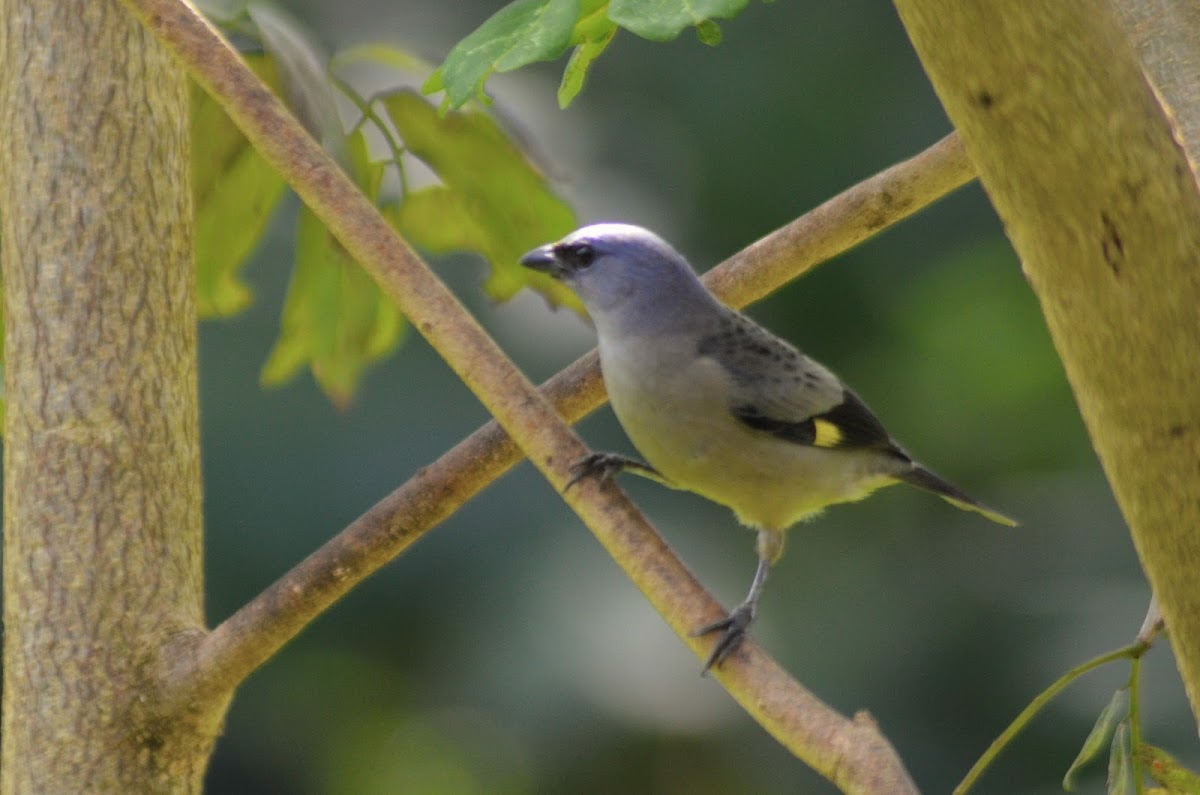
[620,270]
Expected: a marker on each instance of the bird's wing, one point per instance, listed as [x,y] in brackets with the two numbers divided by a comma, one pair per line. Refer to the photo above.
[777,389]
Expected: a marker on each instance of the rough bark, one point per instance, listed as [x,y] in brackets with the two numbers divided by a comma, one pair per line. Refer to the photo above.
[1166,34]
[102,501]
[1087,170]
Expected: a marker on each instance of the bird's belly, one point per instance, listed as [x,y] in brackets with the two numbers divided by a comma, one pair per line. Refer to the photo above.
[697,443]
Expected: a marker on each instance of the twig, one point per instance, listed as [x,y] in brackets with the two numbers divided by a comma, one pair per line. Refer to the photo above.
[842,222]
[1153,623]
[255,632]
[1132,651]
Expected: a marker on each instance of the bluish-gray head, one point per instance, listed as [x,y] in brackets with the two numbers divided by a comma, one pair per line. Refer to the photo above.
[621,271]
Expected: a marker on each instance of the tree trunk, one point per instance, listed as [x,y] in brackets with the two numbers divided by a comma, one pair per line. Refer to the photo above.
[1087,170]
[102,500]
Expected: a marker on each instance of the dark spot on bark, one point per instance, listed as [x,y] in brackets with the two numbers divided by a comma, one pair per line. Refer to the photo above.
[1134,189]
[1111,245]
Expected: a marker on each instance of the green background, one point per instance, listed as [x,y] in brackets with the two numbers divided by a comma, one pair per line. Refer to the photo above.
[506,653]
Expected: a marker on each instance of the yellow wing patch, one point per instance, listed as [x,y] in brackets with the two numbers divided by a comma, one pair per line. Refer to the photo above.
[826,434]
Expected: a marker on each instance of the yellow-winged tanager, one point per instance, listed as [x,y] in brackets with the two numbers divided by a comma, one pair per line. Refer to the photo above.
[720,406]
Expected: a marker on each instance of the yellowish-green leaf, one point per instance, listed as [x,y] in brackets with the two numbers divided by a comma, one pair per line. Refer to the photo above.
[1113,713]
[1164,769]
[335,319]
[492,199]
[585,53]
[1120,773]
[367,173]
[235,191]
[709,32]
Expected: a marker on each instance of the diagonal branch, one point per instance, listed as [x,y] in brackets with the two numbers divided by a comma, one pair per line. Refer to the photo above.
[850,752]
[257,631]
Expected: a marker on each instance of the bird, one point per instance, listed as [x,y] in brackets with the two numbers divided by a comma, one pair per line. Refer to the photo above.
[720,406]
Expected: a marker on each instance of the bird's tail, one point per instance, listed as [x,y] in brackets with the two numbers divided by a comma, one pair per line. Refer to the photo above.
[922,478]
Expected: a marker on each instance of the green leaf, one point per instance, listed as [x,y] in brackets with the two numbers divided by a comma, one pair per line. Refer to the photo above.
[367,173]
[663,20]
[1164,769]
[335,318]
[585,53]
[709,32]
[1120,773]
[234,191]
[1113,712]
[521,33]
[492,199]
[527,31]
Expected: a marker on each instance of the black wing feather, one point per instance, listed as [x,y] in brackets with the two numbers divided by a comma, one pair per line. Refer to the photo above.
[857,427]
[803,432]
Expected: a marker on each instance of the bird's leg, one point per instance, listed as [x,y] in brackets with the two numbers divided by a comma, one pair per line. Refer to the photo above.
[733,627]
[605,465]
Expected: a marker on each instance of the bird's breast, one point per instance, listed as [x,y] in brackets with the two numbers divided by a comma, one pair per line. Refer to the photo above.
[674,406]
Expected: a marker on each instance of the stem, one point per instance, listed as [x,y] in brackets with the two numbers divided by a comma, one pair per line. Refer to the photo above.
[260,628]
[1133,651]
[366,107]
[1135,722]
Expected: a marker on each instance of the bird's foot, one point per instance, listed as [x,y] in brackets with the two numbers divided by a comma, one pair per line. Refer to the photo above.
[604,466]
[733,631]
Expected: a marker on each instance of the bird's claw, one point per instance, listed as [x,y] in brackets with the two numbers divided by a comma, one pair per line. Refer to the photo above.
[733,631]
[603,466]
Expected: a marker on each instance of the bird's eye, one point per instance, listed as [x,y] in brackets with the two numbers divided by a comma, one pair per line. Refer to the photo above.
[583,254]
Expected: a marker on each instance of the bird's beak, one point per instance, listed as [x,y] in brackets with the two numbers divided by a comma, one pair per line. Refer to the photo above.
[544,260]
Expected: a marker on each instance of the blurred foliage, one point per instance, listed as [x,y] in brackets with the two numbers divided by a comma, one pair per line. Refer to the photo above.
[235,193]
[336,318]
[1115,711]
[492,200]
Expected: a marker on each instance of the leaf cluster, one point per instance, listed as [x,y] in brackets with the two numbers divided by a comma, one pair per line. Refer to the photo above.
[528,31]
[490,198]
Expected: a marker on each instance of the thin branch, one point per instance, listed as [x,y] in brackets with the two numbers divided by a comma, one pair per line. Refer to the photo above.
[1153,623]
[257,631]
[843,222]
[852,753]
[367,113]
[1133,651]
